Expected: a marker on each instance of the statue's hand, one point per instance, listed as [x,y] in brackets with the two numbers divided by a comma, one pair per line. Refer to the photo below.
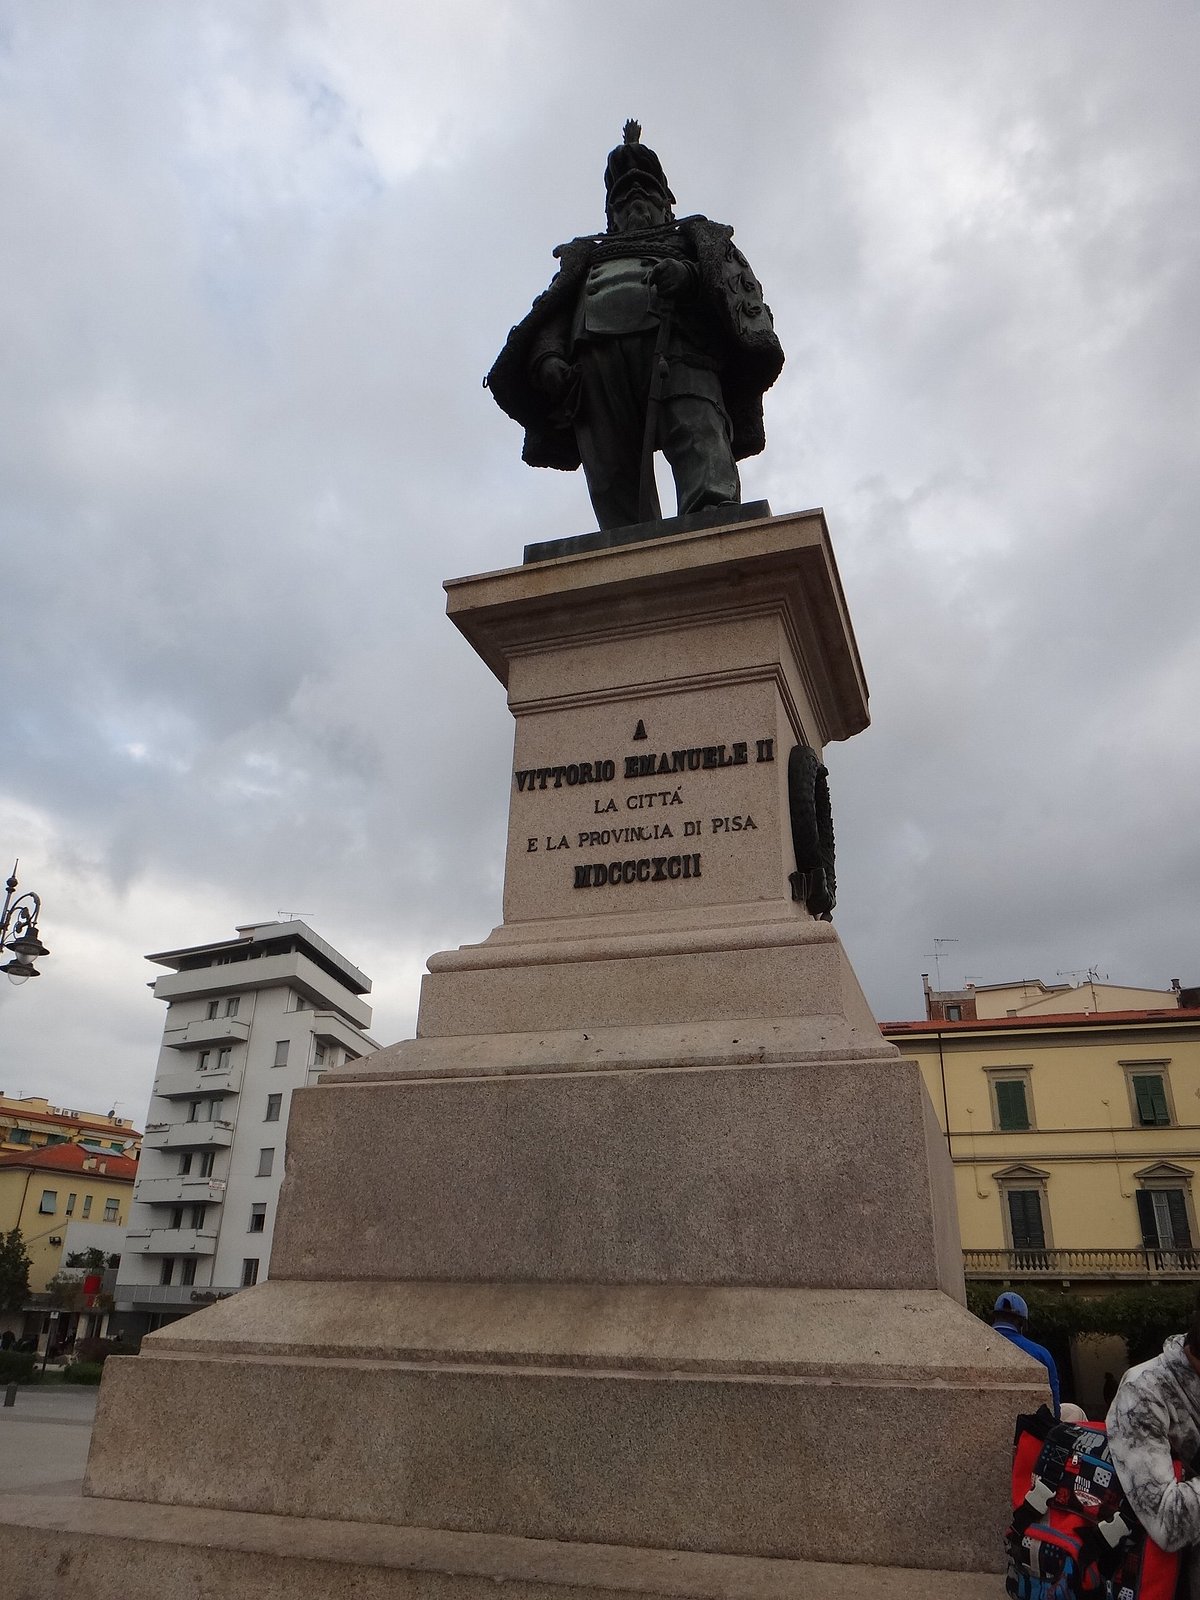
[553,377]
[670,278]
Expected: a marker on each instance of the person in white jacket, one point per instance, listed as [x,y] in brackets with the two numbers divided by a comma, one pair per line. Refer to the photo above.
[1156,1417]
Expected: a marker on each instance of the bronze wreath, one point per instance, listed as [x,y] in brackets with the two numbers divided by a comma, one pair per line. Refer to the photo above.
[813,881]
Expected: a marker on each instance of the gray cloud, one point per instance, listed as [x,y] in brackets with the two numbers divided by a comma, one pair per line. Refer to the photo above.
[259,264]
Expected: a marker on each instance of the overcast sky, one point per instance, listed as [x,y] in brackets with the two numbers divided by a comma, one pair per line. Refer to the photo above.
[255,259]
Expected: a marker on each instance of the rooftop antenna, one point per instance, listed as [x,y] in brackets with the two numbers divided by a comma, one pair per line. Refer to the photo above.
[1091,977]
[936,957]
[293,916]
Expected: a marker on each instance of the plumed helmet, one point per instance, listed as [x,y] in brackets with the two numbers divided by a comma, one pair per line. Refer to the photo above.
[631,162]
[1013,1304]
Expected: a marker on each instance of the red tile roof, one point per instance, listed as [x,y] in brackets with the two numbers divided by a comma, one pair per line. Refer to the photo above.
[1035,1019]
[73,1158]
[14,1112]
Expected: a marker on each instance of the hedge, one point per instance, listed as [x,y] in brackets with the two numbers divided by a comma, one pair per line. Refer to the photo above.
[98,1350]
[83,1372]
[1143,1317]
[17,1366]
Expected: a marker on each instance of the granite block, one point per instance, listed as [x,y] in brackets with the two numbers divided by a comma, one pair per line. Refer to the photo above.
[68,1548]
[812,1174]
[791,1464]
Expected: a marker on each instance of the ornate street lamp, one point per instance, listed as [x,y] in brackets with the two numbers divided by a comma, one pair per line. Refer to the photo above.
[19,932]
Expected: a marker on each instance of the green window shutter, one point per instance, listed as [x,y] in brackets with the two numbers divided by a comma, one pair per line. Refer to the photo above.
[1145,1205]
[1025,1218]
[1010,1104]
[1181,1234]
[1151,1096]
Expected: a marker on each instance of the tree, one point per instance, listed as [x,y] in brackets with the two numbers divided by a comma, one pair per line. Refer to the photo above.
[91,1260]
[65,1292]
[1141,1314]
[15,1262]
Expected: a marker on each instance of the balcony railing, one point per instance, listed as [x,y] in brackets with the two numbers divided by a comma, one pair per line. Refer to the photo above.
[207,1030]
[171,1241]
[191,1081]
[179,1190]
[1081,1263]
[163,1297]
[189,1135]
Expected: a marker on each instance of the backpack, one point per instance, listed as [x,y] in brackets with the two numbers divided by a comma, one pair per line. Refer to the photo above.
[1074,1535]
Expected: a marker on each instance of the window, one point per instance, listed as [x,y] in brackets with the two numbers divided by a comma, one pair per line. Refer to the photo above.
[1011,1099]
[266,1160]
[18,1135]
[193,1111]
[1148,1093]
[187,1270]
[1012,1112]
[231,1006]
[297,1002]
[281,1052]
[177,1217]
[223,1059]
[258,1219]
[185,1163]
[274,1101]
[249,1272]
[206,1164]
[318,1053]
[87,1205]
[953,1013]
[211,1010]
[1027,1228]
[166,1269]
[205,1058]
[198,1215]
[49,1202]
[70,1205]
[1163,1215]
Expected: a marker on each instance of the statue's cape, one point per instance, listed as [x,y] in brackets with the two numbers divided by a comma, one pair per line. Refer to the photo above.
[750,356]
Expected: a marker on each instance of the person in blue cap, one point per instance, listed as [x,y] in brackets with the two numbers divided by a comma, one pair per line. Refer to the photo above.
[1009,1317]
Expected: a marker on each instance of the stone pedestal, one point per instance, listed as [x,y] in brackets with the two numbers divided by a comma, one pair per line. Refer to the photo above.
[638,1268]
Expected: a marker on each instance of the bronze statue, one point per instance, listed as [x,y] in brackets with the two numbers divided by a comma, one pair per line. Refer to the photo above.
[652,336]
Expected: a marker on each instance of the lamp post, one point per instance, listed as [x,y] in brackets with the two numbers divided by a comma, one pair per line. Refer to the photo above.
[19,931]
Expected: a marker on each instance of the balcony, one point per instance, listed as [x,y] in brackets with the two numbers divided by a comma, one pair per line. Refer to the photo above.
[206,1031]
[168,1296]
[295,971]
[1066,1265]
[189,1135]
[179,1191]
[172,1242]
[182,1085]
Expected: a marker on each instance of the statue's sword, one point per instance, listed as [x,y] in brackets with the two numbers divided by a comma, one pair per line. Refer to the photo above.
[648,507]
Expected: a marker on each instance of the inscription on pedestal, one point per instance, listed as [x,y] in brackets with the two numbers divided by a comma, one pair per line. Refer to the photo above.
[679,762]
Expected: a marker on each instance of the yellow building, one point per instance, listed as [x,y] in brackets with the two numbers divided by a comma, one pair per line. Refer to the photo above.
[32,1123]
[1075,1138]
[1074,1135]
[43,1192]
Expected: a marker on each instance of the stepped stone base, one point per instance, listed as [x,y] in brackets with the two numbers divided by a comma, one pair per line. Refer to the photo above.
[69,1548]
[761,1422]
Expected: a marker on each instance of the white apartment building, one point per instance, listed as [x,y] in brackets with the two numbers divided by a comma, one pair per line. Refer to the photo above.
[249,1021]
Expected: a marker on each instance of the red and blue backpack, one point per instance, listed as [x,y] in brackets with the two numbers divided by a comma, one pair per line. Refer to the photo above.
[1074,1535]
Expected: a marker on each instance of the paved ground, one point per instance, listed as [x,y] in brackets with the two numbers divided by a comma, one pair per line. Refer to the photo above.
[44,1438]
